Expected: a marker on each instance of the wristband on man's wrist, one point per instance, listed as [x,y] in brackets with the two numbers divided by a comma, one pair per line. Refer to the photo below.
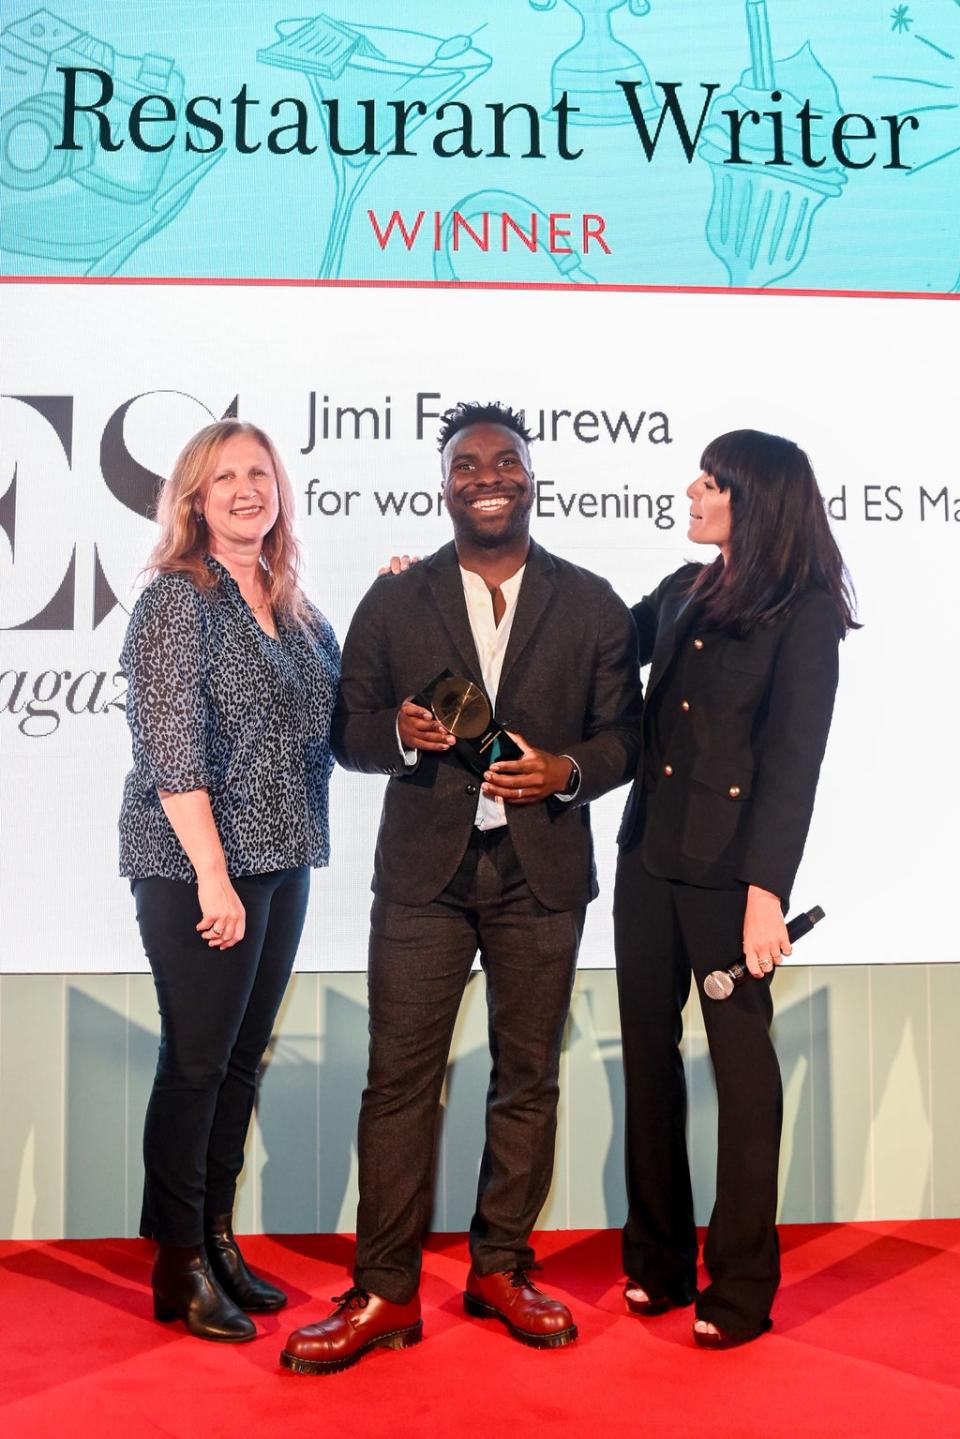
[573,783]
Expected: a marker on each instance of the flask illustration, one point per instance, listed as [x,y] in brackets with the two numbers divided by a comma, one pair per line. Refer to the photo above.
[588,72]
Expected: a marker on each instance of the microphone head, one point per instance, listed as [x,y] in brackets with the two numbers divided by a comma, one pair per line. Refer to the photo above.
[815,915]
[718,985]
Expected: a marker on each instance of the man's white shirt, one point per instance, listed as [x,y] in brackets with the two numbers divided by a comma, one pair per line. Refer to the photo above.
[491,640]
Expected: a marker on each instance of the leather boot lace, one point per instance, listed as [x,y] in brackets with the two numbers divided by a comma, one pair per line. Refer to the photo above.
[519,1277]
[355,1296]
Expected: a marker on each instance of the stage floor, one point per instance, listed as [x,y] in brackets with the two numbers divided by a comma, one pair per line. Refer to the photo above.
[865,1342]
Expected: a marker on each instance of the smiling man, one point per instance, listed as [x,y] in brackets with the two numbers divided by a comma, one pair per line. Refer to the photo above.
[500,864]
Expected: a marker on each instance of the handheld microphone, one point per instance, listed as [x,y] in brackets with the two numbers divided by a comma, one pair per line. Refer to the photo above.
[722,982]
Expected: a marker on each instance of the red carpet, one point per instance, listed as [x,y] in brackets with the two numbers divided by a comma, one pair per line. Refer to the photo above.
[865,1342]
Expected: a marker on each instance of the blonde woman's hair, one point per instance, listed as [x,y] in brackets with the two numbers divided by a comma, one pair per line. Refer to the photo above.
[183,538]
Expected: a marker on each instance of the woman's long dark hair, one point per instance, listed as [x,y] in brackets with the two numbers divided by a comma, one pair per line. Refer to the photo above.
[781,545]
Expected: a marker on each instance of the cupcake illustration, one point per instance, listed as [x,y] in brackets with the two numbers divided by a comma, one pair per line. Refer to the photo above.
[760,216]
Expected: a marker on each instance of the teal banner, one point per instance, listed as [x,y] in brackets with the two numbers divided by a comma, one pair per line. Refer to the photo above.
[681,143]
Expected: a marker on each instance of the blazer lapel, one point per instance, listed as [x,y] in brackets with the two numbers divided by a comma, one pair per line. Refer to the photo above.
[671,631]
[442,572]
[537,589]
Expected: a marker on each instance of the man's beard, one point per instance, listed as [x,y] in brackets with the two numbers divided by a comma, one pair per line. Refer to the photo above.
[517,529]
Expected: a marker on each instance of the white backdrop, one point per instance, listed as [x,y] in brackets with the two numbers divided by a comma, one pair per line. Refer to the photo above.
[867,386]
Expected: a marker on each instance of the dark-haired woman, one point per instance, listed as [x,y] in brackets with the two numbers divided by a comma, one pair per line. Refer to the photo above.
[744,658]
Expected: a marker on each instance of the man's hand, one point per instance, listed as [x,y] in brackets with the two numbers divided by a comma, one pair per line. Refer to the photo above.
[765,938]
[397,564]
[533,777]
[418,728]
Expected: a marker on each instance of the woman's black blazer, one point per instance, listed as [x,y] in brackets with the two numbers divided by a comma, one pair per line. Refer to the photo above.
[733,803]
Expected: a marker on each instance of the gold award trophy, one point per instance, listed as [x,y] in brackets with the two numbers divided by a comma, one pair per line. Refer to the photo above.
[464,710]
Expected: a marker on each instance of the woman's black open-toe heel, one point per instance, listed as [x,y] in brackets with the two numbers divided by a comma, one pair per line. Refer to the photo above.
[650,1305]
[720,1340]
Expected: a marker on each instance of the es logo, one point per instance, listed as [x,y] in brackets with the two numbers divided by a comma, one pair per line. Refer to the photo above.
[77,500]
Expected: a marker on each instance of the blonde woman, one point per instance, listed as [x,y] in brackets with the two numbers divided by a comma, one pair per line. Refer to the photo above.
[232,679]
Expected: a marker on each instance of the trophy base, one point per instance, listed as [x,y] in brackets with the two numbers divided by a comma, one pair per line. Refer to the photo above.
[479,754]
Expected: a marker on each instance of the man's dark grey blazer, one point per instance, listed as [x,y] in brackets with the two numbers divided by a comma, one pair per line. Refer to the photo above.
[570,685]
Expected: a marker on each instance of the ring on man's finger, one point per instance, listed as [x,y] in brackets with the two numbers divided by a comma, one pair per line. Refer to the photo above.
[519,794]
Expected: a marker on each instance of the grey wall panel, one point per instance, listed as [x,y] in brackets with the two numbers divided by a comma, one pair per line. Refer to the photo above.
[870,1064]
[32,1108]
[899,1019]
[944,997]
[95,1091]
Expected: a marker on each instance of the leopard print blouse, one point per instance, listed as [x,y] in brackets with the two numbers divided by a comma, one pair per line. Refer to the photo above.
[215,703]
